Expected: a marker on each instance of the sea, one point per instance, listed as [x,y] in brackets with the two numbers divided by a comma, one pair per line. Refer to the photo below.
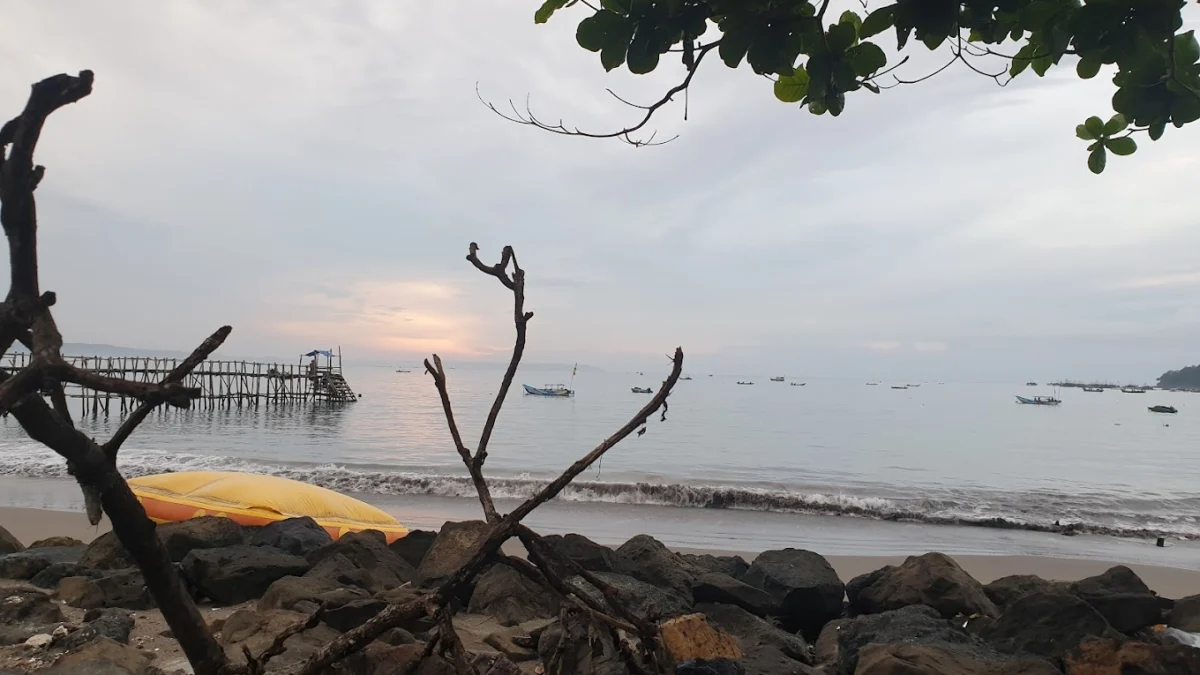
[836,466]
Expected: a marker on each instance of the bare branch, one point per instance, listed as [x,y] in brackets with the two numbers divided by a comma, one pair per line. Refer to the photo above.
[172,393]
[438,374]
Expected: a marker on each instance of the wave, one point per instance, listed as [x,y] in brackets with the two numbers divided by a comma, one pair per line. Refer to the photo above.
[1006,510]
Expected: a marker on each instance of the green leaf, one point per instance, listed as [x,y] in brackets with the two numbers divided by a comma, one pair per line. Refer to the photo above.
[1097,159]
[902,35]
[836,103]
[643,52]
[547,10]
[616,45]
[1187,49]
[1156,130]
[866,58]
[1021,61]
[1089,66]
[1115,125]
[592,33]
[1081,131]
[1095,125]
[849,18]
[877,22]
[792,88]
[1121,146]
[734,46]
[1043,62]
[841,37]
[622,7]
[817,107]
[933,40]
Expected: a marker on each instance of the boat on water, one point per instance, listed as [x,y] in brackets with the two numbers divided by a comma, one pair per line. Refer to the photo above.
[1132,390]
[900,386]
[641,390]
[555,390]
[746,383]
[686,377]
[872,384]
[1163,409]
[1038,400]
[1031,384]
[401,370]
[912,386]
[777,379]
[1094,390]
[799,384]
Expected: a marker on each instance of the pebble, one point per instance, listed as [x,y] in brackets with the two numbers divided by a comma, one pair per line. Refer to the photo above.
[39,641]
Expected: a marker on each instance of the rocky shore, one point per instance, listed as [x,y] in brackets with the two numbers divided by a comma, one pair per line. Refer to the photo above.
[70,608]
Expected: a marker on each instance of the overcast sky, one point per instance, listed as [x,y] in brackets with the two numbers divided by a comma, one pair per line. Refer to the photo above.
[312,173]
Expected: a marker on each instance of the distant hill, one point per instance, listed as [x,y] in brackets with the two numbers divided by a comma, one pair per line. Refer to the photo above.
[1184,378]
[91,349]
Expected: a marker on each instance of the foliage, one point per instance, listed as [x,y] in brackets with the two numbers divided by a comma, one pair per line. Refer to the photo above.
[815,61]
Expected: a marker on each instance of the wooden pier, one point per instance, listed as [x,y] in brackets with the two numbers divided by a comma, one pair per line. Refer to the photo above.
[221,383]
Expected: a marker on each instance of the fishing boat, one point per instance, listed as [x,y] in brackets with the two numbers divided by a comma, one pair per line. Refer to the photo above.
[777,379]
[1163,409]
[401,370]
[912,386]
[746,383]
[900,386]
[686,377]
[556,390]
[872,384]
[1031,384]
[1094,390]
[1132,390]
[641,390]
[799,384]
[1038,400]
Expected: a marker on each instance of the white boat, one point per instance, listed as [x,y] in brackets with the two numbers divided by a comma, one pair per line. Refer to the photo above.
[556,390]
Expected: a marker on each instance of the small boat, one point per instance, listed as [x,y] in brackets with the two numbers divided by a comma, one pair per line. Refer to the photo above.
[745,383]
[1031,384]
[777,379]
[686,377]
[912,386]
[641,390]
[799,384]
[872,384]
[900,386]
[1133,390]
[556,390]
[401,370]
[1163,409]
[1038,400]
[1094,390]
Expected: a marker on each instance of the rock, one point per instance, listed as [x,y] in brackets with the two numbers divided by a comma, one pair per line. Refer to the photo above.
[50,577]
[1046,625]
[733,566]
[413,546]
[39,641]
[26,564]
[298,536]
[933,579]
[125,589]
[339,570]
[710,667]
[236,574]
[509,597]
[1129,612]
[825,649]
[353,614]
[106,553]
[765,647]
[855,586]
[1186,614]
[722,588]
[382,659]
[9,543]
[806,587]
[397,637]
[1114,657]
[579,652]
[92,658]
[306,594]
[16,634]
[644,557]
[452,548]
[257,630]
[648,602]
[501,665]
[916,624]
[691,637]
[368,551]
[58,542]
[1006,590]
[28,607]
[1119,579]
[180,538]
[110,624]
[584,552]
[917,659]
[519,642]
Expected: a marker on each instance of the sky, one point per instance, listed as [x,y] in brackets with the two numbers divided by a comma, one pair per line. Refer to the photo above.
[312,173]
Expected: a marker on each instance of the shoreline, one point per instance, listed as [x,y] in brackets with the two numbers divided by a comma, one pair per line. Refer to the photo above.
[29,524]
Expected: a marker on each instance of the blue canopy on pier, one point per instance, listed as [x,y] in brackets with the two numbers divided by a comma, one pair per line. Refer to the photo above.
[322,352]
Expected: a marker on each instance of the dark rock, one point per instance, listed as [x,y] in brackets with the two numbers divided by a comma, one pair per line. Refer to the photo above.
[239,573]
[113,624]
[1129,612]
[644,557]
[855,586]
[353,614]
[257,630]
[58,542]
[710,667]
[807,588]
[102,656]
[52,575]
[28,607]
[383,659]
[298,536]
[825,649]
[1185,615]
[1119,579]
[16,634]
[106,553]
[452,548]
[1006,590]
[722,588]
[518,643]
[914,659]
[1115,657]
[500,665]
[584,552]
[9,543]
[341,571]
[579,652]
[510,598]
[917,624]
[180,538]
[933,579]
[766,648]
[397,637]
[733,565]
[1046,625]
[26,564]
[125,589]
[413,546]
[648,602]
[368,551]
[306,594]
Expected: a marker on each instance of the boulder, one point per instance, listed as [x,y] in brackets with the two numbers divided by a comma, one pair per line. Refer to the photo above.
[710,667]
[368,551]
[28,607]
[102,656]
[914,659]
[58,542]
[341,571]
[573,650]
[108,624]
[1119,579]
[1185,615]
[518,643]
[413,546]
[933,579]
[734,565]
[51,576]
[646,601]
[124,589]
[298,536]
[644,557]
[722,588]
[236,574]
[256,631]
[511,598]
[1046,625]
[765,648]
[855,586]
[379,658]
[915,624]
[397,637]
[804,584]
[692,637]
[584,552]
[106,553]
[306,594]
[1116,657]
[1006,590]
[180,538]
[1121,596]
[9,543]
[453,547]
[26,564]
[825,649]
[351,615]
